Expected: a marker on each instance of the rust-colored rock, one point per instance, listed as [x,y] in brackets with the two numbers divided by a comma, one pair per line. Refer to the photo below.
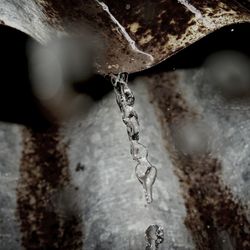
[150,31]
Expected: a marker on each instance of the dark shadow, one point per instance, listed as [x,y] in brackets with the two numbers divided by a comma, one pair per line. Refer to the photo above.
[17,104]
[97,87]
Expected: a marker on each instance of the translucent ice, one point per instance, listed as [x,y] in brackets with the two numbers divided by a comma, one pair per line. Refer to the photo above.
[145,172]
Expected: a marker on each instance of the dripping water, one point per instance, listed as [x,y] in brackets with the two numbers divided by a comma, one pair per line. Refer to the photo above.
[144,170]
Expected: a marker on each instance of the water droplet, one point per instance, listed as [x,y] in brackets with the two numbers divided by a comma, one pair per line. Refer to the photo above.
[138,151]
[130,99]
[154,236]
[146,174]
[132,128]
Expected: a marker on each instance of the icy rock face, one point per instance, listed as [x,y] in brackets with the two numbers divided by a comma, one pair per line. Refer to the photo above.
[223,90]
[10,153]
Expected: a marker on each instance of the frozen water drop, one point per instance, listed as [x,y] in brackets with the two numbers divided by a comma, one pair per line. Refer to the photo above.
[154,236]
[146,174]
[132,128]
[129,96]
[141,170]
[138,150]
